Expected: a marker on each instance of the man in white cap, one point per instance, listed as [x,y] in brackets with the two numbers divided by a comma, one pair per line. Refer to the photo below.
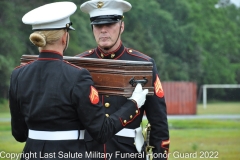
[52,102]
[106,18]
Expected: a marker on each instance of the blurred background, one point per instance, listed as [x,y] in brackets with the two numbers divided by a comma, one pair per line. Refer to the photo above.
[190,40]
[194,43]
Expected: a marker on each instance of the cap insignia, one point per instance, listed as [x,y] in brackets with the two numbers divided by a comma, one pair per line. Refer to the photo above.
[99,4]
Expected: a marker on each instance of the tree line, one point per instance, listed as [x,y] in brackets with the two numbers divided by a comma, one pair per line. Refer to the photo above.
[190,40]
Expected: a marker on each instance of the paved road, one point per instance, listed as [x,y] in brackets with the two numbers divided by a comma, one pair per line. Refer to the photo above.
[4,119]
[237,116]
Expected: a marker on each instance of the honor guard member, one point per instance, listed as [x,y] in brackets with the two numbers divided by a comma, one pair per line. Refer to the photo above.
[106,18]
[52,102]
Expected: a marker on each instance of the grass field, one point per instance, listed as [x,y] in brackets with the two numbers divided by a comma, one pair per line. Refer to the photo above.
[220,137]
[219,108]
[200,138]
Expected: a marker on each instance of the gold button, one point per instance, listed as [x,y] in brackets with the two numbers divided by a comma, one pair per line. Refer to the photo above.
[130,116]
[102,55]
[125,121]
[107,95]
[136,111]
[107,115]
[130,50]
[134,144]
[112,55]
[107,105]
[165,151]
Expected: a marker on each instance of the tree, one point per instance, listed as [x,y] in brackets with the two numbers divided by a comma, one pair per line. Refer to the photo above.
[190,40]
[10,45]
[218,37]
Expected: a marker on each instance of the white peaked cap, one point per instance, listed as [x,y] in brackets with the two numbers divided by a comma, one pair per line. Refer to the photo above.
[105,7]
[50,16]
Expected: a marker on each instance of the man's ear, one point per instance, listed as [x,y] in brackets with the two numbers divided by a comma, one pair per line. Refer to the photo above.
[64,38]
[122,26]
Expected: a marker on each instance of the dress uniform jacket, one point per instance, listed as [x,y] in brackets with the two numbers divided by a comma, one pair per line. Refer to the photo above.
[51,95]
[154,107]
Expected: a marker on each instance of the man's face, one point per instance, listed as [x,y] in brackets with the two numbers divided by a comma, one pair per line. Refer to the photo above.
[107,34]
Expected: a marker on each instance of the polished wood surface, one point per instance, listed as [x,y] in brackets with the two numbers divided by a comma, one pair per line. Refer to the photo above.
[111,77]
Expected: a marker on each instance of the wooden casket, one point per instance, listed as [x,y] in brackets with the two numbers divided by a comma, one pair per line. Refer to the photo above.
[112,77]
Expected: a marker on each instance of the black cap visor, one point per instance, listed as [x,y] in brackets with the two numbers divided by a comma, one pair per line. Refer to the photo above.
[107,19]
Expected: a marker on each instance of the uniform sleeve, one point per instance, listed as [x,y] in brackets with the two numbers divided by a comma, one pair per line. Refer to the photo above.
[156,113]
[92,114]
[19,127]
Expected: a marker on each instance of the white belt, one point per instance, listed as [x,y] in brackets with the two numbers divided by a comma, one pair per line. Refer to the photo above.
[133,133]
[56,135]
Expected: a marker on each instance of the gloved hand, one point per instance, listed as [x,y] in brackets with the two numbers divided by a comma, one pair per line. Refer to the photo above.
[139,95]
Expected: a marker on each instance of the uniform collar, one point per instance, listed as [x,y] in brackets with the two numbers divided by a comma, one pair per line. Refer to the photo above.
[111,55]
[50,54]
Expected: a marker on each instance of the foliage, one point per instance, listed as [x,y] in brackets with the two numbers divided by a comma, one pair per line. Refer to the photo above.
[190,40]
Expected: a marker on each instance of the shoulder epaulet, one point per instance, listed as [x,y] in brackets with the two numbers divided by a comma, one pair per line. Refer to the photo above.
[23,64]
[86,53]
[72,64]
[137,54]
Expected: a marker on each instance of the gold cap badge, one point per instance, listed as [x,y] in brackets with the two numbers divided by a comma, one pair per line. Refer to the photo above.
[99,4]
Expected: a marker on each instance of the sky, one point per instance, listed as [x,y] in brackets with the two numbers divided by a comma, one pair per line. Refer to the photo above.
[226,2]
[236,2]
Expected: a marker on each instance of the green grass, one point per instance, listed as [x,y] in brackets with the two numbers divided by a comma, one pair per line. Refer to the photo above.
[219,108]
[5,115]
[204,124]
[225,142]
[4,105]
[7,143]
[4,109]
[207,136]
[187,136]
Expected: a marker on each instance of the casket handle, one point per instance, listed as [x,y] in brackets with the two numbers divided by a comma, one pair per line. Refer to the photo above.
[133,82]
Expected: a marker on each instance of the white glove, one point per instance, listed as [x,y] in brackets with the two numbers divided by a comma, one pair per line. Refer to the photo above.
[139,95]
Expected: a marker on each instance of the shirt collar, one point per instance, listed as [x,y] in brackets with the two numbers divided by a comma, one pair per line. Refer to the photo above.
[50,54]
[111,55]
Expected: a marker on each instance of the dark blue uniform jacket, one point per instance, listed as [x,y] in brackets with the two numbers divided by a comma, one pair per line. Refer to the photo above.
[50,94]
[154,107]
